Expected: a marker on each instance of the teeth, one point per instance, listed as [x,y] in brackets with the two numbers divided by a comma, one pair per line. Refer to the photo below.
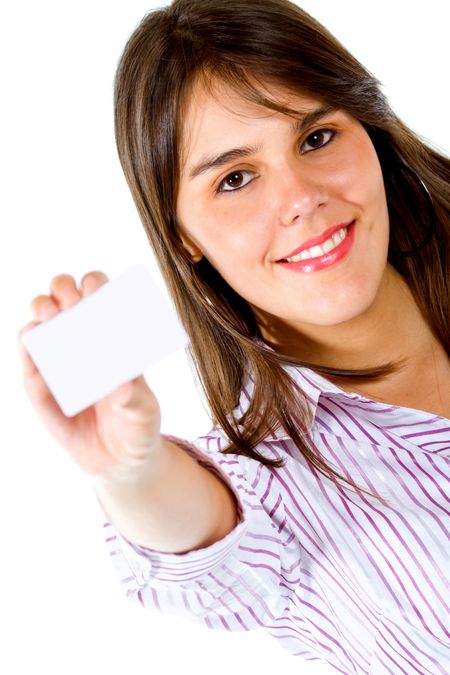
[337,237]
[315,251]
[326,247]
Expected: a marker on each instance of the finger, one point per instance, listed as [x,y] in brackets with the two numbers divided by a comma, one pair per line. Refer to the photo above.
[92,281]
[38,392]
[43,307]
[64,291]
[134,398]
[28,367]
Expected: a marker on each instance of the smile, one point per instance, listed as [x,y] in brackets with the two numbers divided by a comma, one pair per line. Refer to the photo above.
[326,247]
[324,255]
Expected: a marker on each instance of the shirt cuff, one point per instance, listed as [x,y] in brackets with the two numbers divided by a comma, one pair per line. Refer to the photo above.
[146,563]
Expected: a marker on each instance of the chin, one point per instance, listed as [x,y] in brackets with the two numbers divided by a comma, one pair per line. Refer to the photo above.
[344,312]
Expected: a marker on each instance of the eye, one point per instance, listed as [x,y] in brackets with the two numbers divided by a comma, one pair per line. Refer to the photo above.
[316,139]
[235,181]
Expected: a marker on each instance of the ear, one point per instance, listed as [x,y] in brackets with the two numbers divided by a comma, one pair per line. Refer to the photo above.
[194,252]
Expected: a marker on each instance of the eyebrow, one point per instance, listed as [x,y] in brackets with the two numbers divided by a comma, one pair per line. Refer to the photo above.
[209,162]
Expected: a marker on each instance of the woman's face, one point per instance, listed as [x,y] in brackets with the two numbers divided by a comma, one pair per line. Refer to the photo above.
[255,187]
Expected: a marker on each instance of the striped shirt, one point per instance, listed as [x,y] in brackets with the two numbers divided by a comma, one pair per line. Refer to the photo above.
[332,573]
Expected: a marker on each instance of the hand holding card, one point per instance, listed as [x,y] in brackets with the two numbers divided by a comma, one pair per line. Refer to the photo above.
[108,338]
[82,355]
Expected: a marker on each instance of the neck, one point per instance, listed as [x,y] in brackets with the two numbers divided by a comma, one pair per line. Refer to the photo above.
[392,329]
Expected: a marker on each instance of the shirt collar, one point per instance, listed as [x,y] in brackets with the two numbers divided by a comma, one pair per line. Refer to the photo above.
[312,385]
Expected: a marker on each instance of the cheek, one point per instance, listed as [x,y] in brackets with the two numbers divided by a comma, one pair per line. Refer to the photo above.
[373,176]
[234,232]
[362,180]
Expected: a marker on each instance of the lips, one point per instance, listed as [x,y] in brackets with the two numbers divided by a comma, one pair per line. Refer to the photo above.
[316,241]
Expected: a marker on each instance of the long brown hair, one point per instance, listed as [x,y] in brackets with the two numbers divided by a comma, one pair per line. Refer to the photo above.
[241,42]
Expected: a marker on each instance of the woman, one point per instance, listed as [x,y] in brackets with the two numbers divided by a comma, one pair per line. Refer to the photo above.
[303,231]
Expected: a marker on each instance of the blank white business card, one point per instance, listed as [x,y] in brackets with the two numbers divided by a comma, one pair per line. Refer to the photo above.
[106,339]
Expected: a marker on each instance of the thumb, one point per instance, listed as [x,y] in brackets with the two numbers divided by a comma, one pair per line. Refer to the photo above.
[134,397]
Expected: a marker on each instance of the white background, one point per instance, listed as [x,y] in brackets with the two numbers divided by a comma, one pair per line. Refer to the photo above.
[65,207]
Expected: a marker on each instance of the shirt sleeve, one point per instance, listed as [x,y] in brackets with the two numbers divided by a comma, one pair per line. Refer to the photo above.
[234,584]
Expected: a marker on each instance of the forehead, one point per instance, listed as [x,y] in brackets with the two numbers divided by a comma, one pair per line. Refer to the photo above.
[214,109]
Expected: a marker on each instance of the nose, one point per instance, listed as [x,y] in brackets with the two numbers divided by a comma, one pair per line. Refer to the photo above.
[299,198]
